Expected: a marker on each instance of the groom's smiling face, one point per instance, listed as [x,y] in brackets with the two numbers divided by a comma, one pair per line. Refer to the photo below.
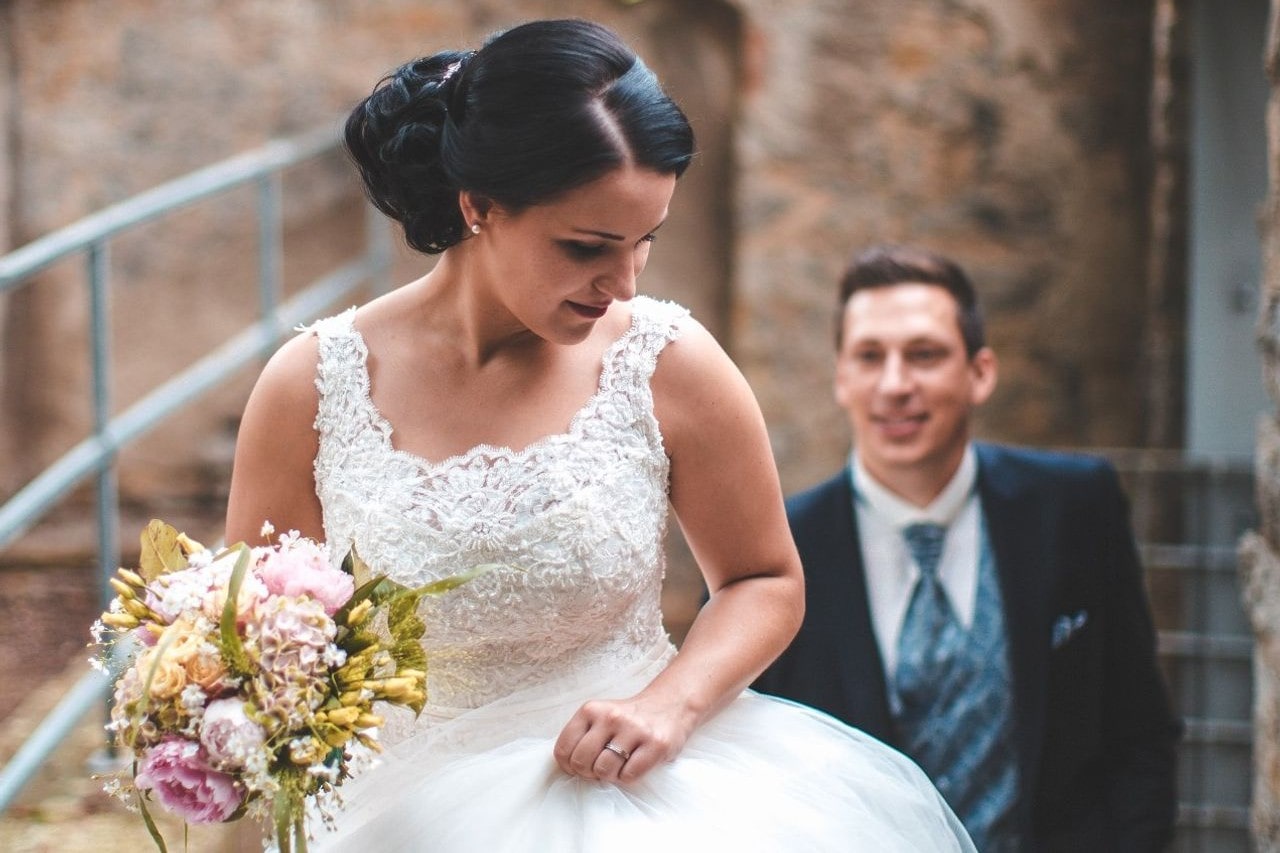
[907,383]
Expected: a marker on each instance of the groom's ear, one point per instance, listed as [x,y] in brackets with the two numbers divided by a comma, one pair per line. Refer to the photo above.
[984,370]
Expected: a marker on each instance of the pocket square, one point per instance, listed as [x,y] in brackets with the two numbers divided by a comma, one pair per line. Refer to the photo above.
[1066,625]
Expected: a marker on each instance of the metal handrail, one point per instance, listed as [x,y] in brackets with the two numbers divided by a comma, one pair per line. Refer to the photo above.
[91,454]
[270,159]
[97,453]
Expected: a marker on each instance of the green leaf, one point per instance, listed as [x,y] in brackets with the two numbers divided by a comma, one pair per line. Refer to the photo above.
[356,567]
[402,617]
[409,654]
[232,649]
[454,581]
[283,819]
[161,552]
[357,641]
[381,590]
[376,590]
[147,819]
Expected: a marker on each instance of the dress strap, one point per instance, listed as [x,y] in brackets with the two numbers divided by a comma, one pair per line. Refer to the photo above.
[654,324]
[342,381]
[340,369]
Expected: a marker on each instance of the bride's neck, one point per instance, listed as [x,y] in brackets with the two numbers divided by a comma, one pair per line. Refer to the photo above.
[461,308]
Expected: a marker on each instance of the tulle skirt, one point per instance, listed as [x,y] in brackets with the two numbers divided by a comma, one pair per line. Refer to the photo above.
[762,775]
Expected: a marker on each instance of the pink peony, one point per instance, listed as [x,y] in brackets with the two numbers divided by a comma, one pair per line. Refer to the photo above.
[178,772]
[300,567]
[230,738]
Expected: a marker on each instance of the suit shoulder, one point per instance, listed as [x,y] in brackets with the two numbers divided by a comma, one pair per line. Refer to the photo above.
[805,501]
[1047,469]
[812,510]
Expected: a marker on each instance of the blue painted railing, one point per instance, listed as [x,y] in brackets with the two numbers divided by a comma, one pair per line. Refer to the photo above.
[95,456]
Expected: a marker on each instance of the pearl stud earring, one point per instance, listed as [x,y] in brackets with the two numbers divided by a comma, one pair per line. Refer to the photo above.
[475,227]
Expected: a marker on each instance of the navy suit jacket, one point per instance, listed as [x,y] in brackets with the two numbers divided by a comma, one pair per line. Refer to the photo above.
[1095,736]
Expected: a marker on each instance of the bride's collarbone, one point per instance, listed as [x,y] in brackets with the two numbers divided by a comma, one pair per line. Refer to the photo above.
[439,414]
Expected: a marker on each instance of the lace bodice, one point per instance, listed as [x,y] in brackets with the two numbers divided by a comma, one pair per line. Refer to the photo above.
[577,519]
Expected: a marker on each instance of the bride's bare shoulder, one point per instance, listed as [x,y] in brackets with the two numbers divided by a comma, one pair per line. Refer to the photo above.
[288,379]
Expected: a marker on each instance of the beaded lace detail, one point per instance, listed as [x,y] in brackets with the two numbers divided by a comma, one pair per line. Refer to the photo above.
[577,519]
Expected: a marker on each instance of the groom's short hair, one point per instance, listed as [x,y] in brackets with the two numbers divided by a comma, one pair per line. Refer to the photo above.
[884,266]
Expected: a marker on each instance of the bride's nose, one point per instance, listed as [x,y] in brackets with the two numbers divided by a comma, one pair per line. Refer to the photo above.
[620,281]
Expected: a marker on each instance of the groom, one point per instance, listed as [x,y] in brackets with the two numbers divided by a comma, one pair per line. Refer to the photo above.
[980,608]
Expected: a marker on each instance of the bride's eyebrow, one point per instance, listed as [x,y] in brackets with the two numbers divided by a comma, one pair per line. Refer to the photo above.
[609,235]
[604,234]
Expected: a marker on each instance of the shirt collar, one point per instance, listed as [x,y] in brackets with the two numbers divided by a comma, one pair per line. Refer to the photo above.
[898,512]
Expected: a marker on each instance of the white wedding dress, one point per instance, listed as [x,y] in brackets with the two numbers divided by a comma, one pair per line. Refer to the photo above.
[579,518]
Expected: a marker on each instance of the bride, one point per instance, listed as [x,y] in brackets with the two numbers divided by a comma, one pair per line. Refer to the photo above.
[521,405]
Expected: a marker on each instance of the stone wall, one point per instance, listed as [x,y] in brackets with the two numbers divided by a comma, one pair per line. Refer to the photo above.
[8,169]
[114,98]
[1011,135]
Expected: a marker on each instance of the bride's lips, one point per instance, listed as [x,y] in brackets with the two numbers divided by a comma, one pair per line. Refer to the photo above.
[591,312]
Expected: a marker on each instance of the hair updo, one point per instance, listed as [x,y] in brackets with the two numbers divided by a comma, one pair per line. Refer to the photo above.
[539,110]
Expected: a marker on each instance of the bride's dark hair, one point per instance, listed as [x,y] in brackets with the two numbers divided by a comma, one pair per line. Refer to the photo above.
[539,110]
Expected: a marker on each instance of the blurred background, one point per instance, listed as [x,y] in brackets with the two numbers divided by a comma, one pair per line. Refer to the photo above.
[1099,168]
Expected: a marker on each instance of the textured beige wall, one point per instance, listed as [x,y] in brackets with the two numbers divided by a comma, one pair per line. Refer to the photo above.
[114,98]
[1009,134]
[8,479]
[6,125]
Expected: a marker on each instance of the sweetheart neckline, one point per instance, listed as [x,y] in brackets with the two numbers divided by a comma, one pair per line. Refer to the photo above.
[386,429]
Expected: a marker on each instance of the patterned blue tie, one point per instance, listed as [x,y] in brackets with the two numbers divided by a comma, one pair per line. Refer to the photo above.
[930,632]
[952,697]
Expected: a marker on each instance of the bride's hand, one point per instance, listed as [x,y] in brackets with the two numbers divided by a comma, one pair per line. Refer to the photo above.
[619,741]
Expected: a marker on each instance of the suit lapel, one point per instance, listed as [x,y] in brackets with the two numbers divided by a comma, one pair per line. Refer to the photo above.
[842,594]
[1024,553]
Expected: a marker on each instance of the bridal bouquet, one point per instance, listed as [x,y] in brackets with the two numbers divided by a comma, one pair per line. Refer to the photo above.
[251,683]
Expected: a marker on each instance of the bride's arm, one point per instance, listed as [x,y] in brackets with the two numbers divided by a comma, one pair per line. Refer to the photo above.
[273,476]
[726,495]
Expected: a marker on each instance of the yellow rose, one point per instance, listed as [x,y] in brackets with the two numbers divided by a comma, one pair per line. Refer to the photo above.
[181,640]
[205,668]
[168,681]
[185,647]
[166,676]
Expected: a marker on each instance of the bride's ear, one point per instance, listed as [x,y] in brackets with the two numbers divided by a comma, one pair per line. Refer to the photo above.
[477,210]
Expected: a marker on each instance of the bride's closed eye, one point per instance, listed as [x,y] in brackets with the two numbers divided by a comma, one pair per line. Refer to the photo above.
[579,250]
[582,251]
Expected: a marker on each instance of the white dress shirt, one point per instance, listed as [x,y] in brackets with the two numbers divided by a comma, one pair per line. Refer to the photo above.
[890,570]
